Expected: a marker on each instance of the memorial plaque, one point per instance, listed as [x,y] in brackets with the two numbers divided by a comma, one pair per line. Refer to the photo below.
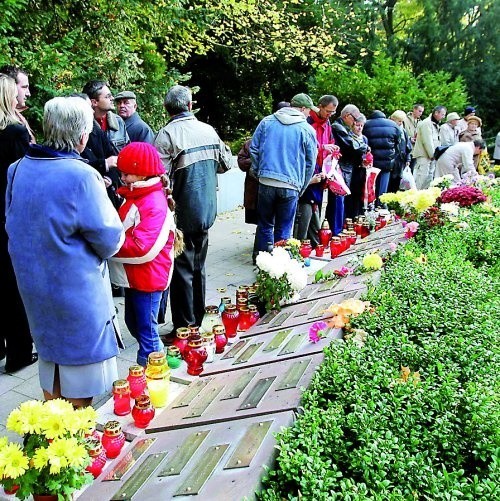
[263,394]
[200,470]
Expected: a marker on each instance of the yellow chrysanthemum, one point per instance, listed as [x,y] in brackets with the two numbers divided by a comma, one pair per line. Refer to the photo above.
[14,462]
[387,198]
[15,422]
[54,426]
[40,458]
[372,262]
[58,406]
[423,200]
[77,455]
[293,242]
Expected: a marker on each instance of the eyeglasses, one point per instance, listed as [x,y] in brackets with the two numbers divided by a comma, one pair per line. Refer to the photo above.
[353,117]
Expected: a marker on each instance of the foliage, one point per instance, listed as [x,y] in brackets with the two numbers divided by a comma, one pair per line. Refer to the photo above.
[53,458]
[412,411]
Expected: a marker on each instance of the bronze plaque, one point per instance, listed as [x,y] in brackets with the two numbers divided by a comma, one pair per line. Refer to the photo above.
[187,396]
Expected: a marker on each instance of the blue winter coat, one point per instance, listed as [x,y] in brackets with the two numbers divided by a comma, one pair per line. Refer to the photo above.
[62,227]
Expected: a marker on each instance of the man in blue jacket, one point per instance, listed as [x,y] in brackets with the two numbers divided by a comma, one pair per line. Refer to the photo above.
[283,150]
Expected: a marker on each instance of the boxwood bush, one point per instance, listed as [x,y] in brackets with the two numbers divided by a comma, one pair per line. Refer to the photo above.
[370,430]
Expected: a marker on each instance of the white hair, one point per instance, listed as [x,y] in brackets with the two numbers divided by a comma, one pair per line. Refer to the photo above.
[65,121]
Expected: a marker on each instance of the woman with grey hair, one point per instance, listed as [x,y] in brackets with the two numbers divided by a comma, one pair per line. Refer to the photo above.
[62,228]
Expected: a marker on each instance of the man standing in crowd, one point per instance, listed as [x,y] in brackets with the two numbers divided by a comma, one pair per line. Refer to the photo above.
[383,137]
[23,93]
[307,220]
[352,151]
[102,103]
[193,154]
[426,143]
[448,133]
[410,125]
[138,130]
[283,150]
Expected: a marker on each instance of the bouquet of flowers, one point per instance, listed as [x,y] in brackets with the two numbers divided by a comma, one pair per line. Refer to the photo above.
[292,245]
[52,458]
[279,277]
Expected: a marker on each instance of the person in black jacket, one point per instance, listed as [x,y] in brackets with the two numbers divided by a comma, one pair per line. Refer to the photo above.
[383,137]
[352,152]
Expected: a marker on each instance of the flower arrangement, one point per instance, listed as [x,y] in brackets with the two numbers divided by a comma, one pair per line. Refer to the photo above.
[465,196]
[279,277]
[443,182]
[292,245]
[411,203]
[53,457]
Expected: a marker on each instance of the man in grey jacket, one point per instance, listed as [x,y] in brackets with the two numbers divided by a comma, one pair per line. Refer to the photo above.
[193,155]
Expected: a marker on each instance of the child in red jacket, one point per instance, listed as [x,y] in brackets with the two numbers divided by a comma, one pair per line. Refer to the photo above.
[144,264]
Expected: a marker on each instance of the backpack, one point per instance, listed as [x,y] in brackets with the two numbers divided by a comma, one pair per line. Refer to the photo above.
[439,151]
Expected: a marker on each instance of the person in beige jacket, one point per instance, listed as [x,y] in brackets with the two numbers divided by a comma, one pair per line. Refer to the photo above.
[426,143]
[458,159]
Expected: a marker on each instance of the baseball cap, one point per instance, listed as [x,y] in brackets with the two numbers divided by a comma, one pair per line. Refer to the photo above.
[303,100]
[469,109]
[125,94]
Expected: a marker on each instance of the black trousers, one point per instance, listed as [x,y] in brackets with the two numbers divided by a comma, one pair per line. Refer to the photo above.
[188,285]
[15,341]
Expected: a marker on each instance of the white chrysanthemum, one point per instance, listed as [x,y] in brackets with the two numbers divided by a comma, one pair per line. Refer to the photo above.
[297,275]
[264,261]
[451,208]
[281,254]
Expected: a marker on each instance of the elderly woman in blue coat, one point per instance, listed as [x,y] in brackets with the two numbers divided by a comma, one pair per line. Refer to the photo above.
[62,228]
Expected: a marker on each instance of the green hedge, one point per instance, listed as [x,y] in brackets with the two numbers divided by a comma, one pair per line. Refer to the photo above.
[363,432]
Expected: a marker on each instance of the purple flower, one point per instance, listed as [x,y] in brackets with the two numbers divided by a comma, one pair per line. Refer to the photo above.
[404,223]
[317,331]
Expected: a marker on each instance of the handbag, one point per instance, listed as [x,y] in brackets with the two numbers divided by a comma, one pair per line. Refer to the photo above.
[407,180]
[334,178]
[439,151]
[369,195]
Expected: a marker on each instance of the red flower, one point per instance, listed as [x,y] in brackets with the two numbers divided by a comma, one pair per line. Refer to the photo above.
[465,196]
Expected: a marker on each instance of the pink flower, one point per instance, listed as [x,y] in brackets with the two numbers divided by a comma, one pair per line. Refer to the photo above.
[413,226]
[404,223]
[393,246]
[343,272]
[317,331]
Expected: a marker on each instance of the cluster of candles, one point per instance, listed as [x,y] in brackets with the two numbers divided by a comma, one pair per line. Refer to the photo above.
[198,345]
[343,241]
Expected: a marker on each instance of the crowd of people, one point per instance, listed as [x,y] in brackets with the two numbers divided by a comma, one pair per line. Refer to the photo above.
[105,206]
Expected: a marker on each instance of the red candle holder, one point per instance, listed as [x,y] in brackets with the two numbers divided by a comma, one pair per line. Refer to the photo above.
[245,319]
[319,250]
[195,355]
[305,248]
[113,439]
[181,339]
[254,313]
[98,456]
[230,319]
[121,397]
[336,247]
[220,338]
[136,380]
[143,412]
[324,234]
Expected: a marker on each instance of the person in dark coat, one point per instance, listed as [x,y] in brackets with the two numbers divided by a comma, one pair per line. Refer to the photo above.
[16,343]
[403,152]
[383,137]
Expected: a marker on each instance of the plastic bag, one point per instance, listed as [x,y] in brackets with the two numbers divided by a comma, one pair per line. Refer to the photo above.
[369,195]
[407,180]
[334,177]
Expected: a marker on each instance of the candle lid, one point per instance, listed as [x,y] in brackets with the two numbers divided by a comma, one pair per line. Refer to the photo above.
[157,358]
[195,341]
[182,333]
[173,351]
[94,446]
[230,307]
[336,239]
[112,428]
[136,370]
[212,308]
[218,329]
[143,402]
[121,386]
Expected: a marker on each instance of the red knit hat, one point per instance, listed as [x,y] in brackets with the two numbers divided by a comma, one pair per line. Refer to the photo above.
[141,159]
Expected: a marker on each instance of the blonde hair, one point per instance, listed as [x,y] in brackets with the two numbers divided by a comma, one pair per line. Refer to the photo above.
[398,115]
[8,92]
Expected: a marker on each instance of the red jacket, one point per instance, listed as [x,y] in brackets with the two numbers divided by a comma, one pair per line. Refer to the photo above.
[145,260]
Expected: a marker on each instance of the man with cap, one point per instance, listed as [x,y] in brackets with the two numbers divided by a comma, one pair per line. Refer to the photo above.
[144,263]
[138,130]
[448,133]
[283,150]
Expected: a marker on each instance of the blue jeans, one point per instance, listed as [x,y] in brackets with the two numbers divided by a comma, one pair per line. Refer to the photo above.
[334,212]
[141,314]
[382,184]
[276,210]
